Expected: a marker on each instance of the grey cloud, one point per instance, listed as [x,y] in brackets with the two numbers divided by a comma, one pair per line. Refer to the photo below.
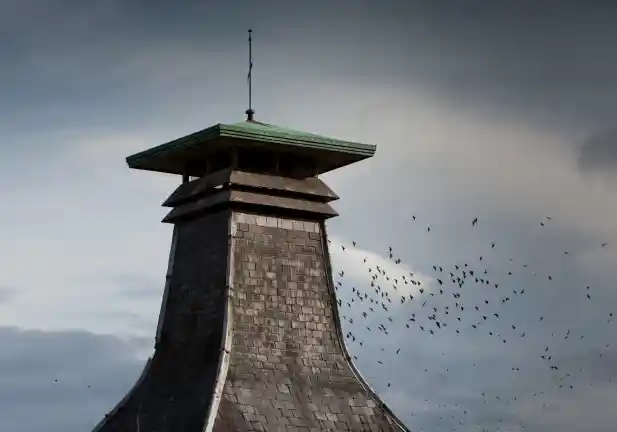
[449,371]
[92,372]
[599,153]
[598,364]
[136,286]
[549,64]
[7,294]
[545,63]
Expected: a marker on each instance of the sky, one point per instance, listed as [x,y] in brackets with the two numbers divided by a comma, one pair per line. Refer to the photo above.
[501,110]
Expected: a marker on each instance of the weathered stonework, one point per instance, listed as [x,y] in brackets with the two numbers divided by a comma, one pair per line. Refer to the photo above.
[249,337]
[288,370]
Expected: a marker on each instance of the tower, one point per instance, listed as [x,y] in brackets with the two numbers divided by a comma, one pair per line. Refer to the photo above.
[249,338]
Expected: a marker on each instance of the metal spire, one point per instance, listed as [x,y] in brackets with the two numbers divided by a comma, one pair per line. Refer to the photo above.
[250,112]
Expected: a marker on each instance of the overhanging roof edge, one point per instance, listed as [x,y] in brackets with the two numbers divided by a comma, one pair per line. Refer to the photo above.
[185,141]
[363,151]
[284,138]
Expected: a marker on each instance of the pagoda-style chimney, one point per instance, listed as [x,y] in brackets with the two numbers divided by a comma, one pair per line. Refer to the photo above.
[249,337]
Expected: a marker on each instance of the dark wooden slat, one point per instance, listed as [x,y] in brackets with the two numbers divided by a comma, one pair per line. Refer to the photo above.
[197,187]
[319,208]
[322,210]
[201,204]
[311,188]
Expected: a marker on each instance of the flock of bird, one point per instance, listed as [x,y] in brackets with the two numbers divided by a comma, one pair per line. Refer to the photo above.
[463,300]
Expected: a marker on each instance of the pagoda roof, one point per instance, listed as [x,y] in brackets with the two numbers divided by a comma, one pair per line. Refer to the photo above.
[179,155]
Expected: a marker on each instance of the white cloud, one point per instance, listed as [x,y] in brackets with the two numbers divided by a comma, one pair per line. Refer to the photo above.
[351,262]
[430,146]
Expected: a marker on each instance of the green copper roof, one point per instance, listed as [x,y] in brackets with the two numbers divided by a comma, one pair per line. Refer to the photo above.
[277,133]
[174,156]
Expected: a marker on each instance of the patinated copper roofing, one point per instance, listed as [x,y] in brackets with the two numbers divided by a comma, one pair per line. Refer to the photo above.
[179,155]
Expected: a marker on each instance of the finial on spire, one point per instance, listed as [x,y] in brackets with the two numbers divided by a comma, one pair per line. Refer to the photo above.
[250,112]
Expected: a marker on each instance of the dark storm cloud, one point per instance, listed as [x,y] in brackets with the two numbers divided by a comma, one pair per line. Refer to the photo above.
[550,62]
[599,153]
[86,63]
[550,59]
[45,375]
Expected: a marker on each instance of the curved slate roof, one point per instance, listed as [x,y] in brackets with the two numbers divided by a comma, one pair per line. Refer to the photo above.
[249,335]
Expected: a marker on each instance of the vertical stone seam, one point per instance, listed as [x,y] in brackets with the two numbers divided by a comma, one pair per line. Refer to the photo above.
[226,342]
[168,277]
[339,331]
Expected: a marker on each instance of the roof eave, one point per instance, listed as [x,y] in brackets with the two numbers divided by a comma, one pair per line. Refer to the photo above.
[147,159]
[179,143]
[334,145]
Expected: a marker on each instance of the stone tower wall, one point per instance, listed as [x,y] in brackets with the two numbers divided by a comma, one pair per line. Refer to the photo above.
[250,339]
[287,369]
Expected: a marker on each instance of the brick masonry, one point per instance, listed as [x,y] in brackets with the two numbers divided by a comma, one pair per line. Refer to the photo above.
[265,283]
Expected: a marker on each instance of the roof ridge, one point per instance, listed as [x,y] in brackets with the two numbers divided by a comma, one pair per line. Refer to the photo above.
[284,129]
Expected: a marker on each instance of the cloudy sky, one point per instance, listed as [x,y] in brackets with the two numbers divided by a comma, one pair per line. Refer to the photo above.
[502,110]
